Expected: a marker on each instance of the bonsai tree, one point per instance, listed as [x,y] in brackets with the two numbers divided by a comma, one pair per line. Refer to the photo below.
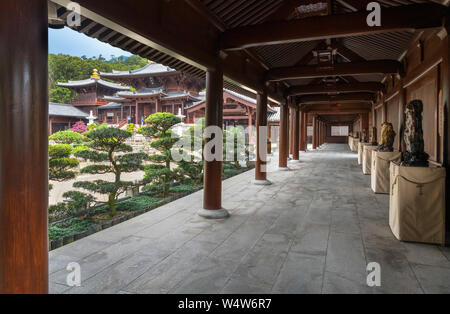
[62,167]
[159,174]
[61,163]
[110,154]
[192,170]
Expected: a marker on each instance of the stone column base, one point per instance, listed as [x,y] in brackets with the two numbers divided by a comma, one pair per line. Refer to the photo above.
[261,182]
[213,213]
[283,169]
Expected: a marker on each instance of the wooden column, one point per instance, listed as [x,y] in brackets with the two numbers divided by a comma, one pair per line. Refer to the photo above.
[319,137]
[291,130]
[296,133]
[305,130]
[261,140]
[23,147]
[212,193]
[283,150]
[314,140]
[302,131]
[446,112]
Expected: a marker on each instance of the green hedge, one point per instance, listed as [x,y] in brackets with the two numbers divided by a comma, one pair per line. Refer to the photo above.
[69,227]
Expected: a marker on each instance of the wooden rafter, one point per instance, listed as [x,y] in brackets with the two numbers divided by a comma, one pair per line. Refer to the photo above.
[348,98]
[341,69]
[411,17]
[371,87]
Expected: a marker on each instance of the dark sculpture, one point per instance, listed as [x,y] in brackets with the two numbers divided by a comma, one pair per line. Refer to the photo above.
[415,155]
[374,140]
[387,138]
[363,138]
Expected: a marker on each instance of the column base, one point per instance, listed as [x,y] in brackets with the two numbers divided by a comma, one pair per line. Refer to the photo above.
[283,169]
[214,213]
[261,182]
[295,161]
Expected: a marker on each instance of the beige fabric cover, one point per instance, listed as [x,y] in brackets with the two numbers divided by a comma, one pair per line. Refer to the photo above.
[360,151]
[417,204]
[380,170]
[367,158]
[354,144]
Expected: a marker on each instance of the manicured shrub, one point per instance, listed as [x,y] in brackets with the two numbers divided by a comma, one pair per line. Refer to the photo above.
[160,172]
[69,227]
[111,155]
[184,188]
[67,137]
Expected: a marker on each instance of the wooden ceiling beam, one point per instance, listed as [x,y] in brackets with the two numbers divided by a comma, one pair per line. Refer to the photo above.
[327,99]
[337,111]
[371,87]
[401,18]
[340,69]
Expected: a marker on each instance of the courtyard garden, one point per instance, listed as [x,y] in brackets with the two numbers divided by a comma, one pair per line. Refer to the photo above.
[106,156]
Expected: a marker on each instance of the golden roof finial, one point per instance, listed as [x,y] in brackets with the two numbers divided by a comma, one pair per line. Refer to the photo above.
[95,74]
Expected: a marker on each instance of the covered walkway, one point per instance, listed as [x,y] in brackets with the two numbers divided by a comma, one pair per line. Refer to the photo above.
[313,231]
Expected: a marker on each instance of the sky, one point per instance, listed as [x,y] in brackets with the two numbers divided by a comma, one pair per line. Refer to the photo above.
[67,41]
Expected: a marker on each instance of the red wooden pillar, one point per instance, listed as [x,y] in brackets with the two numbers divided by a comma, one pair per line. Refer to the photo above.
[283,150]
[296,133]
[319,126]
[291,130]
[445,68]
[305,131]
[261,140]
[314,140]
[23,147]
[321,133]
[301,145]
[212,193]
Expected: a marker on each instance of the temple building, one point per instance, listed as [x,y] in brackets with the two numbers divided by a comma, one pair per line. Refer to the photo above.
[64,116]
[92,91]
[156,88]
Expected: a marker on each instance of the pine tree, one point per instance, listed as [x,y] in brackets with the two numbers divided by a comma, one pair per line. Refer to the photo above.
[110,154]
[159,174]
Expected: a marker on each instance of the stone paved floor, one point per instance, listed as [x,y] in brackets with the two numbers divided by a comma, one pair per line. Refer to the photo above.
[313,231]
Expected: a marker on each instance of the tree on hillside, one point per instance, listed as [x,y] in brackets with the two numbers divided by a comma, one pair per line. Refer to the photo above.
[110,154]
[160,174]
[63,68]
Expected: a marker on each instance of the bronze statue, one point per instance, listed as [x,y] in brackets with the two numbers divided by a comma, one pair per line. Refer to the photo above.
[415,155]
[387,138]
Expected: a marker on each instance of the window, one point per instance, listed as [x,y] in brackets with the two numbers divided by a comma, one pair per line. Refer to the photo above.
[339,131]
